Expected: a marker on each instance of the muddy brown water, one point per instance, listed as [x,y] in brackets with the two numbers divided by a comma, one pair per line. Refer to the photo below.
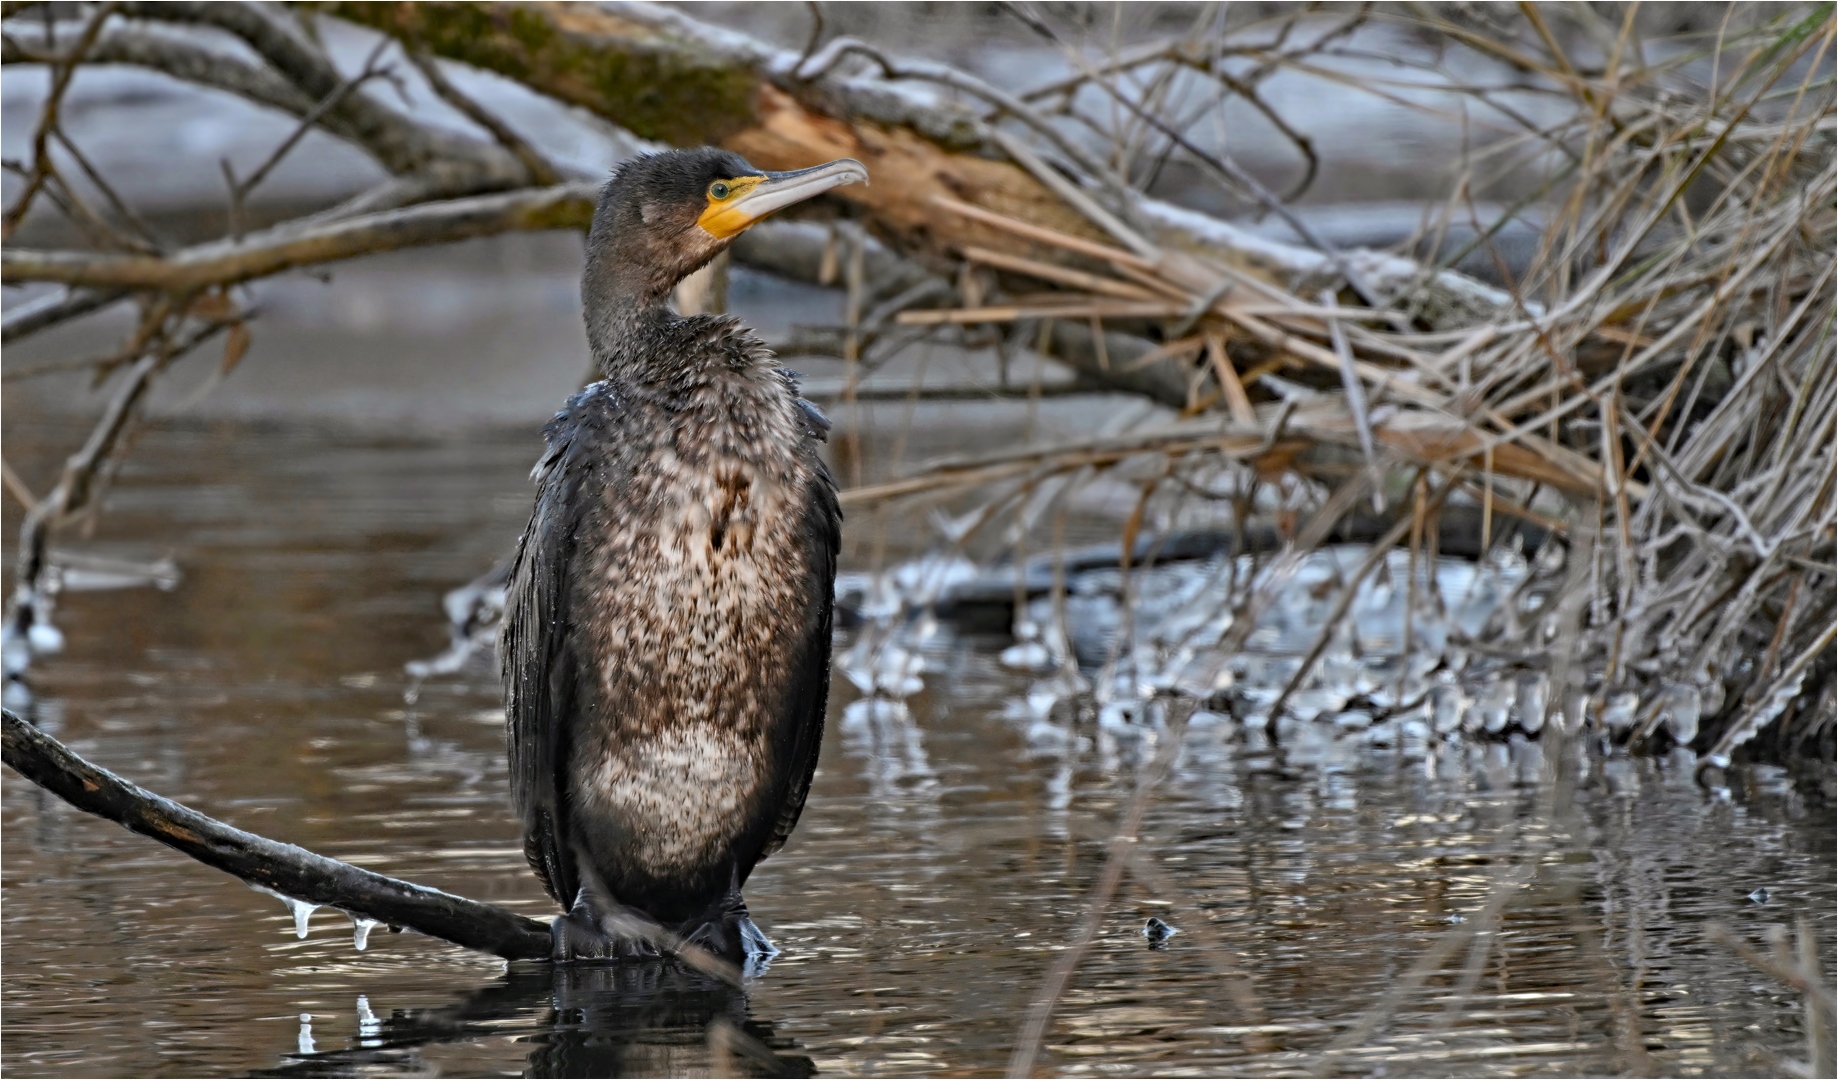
[942,864]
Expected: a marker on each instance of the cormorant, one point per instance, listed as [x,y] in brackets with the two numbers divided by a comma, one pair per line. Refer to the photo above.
[666,643]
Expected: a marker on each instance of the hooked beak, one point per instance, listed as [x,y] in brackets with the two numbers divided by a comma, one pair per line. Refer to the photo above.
[756,197]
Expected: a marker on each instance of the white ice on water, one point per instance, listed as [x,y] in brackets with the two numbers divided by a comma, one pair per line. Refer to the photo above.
[42,638]
[887,658]
[46,638]
[1029,656]
[1402,669]
[1413,664]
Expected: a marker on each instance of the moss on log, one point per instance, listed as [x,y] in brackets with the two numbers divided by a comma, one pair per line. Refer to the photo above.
[673,84]
[664,76]
[652,86]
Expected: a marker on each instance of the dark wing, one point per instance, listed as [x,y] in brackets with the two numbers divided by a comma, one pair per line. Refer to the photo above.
[540,655]
[810,683]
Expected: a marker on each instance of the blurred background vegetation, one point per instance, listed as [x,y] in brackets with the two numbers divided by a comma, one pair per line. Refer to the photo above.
[1584,254]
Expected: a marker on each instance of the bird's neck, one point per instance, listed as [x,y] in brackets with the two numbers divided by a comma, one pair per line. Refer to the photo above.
[625,328]
[622,325]
[650,345]
[625,294]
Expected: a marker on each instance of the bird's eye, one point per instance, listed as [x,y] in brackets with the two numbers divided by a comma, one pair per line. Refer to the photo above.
[718,190]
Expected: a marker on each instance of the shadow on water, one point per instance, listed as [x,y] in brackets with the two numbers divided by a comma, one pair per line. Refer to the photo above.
[621,1019]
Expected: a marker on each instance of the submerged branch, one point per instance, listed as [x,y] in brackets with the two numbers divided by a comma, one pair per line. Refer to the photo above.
[283,868]
[296,873]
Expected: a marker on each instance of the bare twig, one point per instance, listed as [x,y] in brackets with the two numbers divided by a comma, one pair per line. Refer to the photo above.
[85,471]
[1356,397]
[1222,164]
[398,142]
[816,66]
[55,310]
[538,168]
[143,239]
[42,168]
[241,189]
[286,247]
[17,488]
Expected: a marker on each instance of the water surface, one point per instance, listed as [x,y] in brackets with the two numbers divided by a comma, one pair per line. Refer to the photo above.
[943,862]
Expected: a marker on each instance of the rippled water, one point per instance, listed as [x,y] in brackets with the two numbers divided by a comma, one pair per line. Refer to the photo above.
[942,864]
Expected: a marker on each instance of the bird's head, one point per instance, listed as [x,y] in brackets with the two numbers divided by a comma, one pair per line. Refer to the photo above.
[662,216]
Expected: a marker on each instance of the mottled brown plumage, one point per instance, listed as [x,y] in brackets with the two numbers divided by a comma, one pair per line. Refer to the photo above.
[667,640]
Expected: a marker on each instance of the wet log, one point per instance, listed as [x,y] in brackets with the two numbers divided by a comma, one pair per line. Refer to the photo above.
[986,602]
[257,860]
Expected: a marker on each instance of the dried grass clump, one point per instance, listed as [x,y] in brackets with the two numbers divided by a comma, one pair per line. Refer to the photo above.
[1658,388]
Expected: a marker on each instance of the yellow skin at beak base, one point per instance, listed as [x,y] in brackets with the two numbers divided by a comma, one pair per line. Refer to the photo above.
[726,217]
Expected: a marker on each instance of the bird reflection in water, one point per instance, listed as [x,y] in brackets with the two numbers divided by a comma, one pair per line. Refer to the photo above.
[628,1018]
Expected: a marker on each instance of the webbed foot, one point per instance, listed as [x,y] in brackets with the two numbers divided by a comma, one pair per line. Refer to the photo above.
[579,935]
[730,933]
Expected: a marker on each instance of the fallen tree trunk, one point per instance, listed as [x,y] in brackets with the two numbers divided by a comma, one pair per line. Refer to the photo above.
[665,76]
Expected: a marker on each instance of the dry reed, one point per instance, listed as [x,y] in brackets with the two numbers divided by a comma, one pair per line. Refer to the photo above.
[1659,382]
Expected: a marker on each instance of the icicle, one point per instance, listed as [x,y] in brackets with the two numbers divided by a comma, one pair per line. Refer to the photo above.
[1618,713]
[1534,697]
[1683,709]
[299,909]
[1771,708]
[1495,705]
[1448,704]
[360,929]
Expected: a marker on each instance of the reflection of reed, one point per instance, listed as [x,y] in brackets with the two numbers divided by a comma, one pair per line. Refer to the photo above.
[1053,985]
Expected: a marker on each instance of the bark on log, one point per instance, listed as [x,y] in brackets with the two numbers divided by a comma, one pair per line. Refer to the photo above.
[665,76]
[283,868]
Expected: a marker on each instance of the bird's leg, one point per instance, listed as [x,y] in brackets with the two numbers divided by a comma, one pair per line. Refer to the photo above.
[577,934]
[589,931]
[727,930]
